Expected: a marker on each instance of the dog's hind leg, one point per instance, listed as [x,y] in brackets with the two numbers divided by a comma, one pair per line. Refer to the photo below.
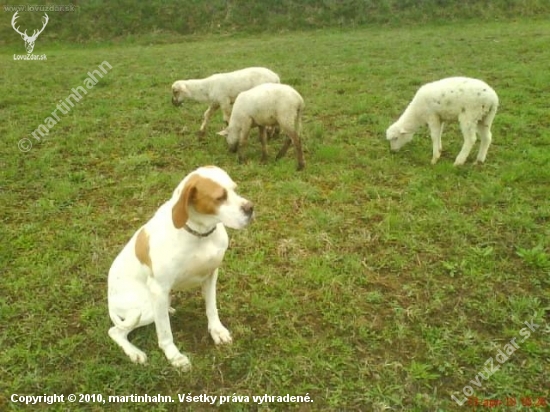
[119,333]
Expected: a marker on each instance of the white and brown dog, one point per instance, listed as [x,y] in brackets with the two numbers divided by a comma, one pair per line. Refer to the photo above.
[182,246]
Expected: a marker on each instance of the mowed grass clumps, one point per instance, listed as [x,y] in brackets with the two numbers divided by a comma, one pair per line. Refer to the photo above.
[370,280]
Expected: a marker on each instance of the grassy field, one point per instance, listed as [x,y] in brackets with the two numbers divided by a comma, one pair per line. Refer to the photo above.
[370,281]
[105,20]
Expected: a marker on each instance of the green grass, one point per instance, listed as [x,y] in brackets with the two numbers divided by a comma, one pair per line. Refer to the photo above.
[162,20]
[371,281]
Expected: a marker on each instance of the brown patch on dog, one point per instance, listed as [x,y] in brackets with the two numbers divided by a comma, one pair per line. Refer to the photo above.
[179,210]
[208,196]
[142,248]
[203,193]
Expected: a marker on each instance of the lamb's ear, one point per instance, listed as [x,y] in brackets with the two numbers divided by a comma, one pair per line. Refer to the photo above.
[183,89]
[403,131]
[179,210]
[223,132]
[179,86]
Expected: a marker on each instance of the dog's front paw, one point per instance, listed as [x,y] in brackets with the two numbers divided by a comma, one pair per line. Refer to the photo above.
[181,362]
[137,356]
[220,335]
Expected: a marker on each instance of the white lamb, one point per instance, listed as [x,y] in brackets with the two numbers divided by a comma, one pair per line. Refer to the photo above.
[472,101]
[220,90]
[264,106]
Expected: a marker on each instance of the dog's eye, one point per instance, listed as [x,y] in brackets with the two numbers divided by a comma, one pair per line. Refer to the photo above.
[222,197]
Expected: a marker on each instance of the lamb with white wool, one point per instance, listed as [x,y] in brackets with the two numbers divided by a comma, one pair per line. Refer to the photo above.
[471,101]
[264,106]
[220,90]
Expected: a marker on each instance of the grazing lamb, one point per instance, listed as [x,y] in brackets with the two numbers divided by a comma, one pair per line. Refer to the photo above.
[472,101]
[220,90]
[266,105]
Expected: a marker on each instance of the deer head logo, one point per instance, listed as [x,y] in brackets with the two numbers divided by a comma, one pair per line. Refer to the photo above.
[29,40]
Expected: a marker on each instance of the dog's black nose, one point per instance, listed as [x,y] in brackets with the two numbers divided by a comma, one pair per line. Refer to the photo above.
[248,208]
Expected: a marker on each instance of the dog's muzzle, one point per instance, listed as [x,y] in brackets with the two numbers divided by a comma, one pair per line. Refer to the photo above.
[248,209]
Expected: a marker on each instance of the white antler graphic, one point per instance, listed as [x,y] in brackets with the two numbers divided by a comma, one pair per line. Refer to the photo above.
[29,40]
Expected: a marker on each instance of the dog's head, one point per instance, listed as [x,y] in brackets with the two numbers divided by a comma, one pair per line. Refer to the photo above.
[179,92]
[207,196]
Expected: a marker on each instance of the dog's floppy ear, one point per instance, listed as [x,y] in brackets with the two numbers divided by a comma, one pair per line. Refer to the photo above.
[179,210]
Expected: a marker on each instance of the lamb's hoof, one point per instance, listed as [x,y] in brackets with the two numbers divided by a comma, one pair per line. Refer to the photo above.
[200,134]
[301,166]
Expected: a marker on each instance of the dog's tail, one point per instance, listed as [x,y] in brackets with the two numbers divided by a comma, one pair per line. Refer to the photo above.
[129,323]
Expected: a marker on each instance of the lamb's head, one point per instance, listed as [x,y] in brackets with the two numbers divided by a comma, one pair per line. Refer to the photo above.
[179,92]
[232,137]
[398,136]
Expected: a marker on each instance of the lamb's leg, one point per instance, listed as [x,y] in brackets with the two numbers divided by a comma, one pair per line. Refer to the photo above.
[298,149]
[469,133]
[243,141]
[439,140]
[485,137]
[294,138]
[284,148]
[273,132]
[226,110]
[171,310]
[436,130]
[484,131]
[263,141]
[207,115]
